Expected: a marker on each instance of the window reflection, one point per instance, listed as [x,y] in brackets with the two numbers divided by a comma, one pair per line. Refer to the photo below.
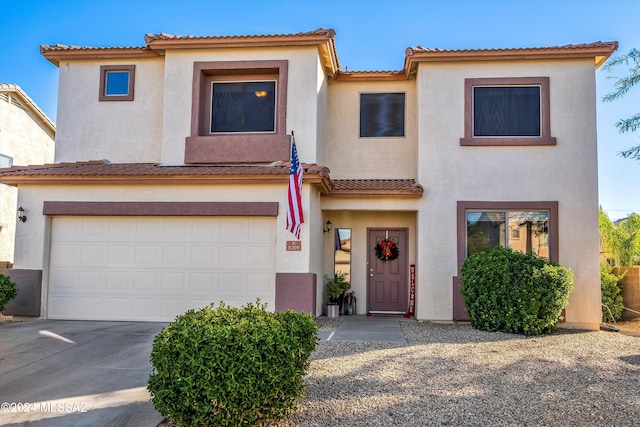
[342,257]
[523,231]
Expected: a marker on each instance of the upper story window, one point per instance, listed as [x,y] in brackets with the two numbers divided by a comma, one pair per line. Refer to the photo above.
[507,111]
[382,115]
[116,82]
[243,106]
[5,161]
[239,111]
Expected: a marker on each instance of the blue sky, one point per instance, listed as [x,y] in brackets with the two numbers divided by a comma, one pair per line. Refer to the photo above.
[371,35]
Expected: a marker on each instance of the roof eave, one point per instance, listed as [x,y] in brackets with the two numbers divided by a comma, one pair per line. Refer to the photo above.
[55,54]
[599,54]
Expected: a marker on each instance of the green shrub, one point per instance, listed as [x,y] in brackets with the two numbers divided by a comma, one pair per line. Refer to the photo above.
[8,291]
[231,366]
[611,286]
[512,292]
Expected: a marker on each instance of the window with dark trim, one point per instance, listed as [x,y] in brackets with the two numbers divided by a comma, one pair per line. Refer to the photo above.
[382,115]
[117,82]
[243,106]
[529,227]
[233,120]
[507,111]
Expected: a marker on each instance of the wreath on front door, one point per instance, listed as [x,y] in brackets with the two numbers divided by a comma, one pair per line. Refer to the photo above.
[387,250]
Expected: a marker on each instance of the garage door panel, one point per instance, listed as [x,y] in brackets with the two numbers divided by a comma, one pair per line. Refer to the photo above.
[92,281]
[203,282]
[233,256]
[120,281]
[120,254]
[175,255]
[65,254]
[148,256]
[175,282]
[94,230]
[202,255]
[93,255]
[155,268]
[231,283]
[121,229]
[149,230]
[146,281]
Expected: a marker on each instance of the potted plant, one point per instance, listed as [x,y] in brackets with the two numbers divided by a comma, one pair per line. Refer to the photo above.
[336,287]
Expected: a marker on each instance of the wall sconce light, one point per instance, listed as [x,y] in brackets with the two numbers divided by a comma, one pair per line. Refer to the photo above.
[21,216]
[327,226]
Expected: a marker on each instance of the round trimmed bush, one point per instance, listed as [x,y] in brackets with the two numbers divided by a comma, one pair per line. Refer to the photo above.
[231,366]
[8,291]
[505,290]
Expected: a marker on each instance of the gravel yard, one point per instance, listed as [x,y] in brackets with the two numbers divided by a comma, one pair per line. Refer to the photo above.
[454,375]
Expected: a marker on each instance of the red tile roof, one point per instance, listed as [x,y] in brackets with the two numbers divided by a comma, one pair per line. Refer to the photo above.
[378,187]
[155,44]
[103,172]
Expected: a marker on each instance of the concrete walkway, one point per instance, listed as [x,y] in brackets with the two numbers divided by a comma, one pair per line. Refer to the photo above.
[369,329]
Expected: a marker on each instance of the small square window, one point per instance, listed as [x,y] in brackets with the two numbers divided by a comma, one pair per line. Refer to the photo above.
[5,161]
[382,115]
[116,82]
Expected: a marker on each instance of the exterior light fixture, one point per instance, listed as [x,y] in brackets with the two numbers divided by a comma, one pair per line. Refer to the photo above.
[21,216]
[327,226]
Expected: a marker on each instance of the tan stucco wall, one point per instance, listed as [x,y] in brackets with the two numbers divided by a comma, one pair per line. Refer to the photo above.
[302,95]
[348,155]
[119,131]
[28,141]
[566,173]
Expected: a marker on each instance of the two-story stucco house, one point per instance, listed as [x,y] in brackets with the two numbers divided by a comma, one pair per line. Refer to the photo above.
[27,136]
[169,188]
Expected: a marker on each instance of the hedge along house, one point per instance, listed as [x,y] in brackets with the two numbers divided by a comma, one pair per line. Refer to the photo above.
[169,189]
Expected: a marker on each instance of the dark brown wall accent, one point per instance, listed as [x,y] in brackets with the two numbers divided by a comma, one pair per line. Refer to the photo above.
[203,147]
[459,311]
[296,291]
[161,208]
[28,301]
[544,139]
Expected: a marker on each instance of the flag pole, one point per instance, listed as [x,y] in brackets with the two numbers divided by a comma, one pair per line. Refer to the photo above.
[291,143]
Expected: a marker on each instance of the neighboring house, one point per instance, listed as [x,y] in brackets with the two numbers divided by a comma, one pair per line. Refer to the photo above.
[172,162]
[27,137]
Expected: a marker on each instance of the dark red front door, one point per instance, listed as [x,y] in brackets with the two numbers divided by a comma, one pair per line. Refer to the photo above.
[387,281]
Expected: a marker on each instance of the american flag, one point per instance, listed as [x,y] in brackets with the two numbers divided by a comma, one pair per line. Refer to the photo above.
[294,211]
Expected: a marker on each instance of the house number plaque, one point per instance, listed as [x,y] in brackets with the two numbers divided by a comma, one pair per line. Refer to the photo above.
[294,245]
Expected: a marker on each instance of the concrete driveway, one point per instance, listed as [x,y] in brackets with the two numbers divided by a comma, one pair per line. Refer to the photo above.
[76,373]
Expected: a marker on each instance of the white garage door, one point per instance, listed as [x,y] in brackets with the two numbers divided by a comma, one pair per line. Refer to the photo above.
[155,268]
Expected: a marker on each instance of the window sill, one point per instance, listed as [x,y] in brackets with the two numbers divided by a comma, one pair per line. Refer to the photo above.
[547,140]
[240,148]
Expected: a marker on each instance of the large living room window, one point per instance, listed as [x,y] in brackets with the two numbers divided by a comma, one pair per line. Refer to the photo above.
[238,112]
[528,227]
[523,231]
[382,115]
[507,111]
